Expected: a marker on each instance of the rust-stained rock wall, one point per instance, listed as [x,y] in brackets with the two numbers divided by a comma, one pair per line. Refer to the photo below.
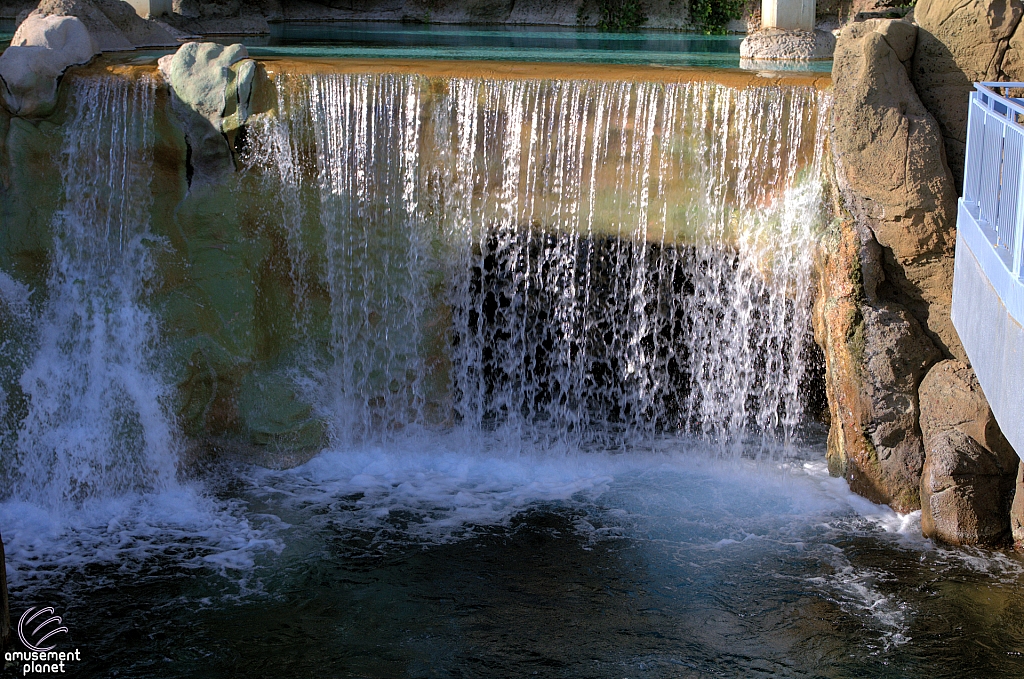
[910,424]
[886,286]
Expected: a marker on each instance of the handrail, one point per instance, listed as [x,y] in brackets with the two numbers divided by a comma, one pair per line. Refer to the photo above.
[994,169]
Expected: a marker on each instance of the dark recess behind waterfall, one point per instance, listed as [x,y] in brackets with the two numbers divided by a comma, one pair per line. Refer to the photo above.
[496,292]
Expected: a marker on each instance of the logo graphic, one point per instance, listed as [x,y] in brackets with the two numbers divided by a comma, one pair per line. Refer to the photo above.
[30,627]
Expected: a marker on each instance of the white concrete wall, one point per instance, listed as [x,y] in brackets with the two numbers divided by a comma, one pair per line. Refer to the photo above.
[791,15]
[993,339]
[148,8]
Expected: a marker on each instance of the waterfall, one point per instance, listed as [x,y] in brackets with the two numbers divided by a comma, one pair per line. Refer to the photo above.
[569,261]
[95,422]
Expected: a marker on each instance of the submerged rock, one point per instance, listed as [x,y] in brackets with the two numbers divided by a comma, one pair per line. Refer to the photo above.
[43,48]
[779,45]
[970,469]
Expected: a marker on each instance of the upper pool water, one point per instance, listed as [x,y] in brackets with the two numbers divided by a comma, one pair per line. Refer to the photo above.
[385,40]
[501,43]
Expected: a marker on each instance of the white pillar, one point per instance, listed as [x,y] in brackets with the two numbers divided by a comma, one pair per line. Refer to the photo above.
[790,15]
[151,8]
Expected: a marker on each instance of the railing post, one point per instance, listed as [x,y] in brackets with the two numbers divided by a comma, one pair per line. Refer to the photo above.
[969,192]
[1018,225]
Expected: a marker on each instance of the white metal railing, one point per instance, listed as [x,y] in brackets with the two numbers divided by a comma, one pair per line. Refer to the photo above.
[993,168]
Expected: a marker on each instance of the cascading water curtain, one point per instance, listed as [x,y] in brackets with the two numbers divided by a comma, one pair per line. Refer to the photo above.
[570,262]
[95,422]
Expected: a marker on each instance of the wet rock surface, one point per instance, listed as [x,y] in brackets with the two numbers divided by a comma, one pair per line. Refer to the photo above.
[970,469]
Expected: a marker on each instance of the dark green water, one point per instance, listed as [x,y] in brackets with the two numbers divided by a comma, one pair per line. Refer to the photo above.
[429,560]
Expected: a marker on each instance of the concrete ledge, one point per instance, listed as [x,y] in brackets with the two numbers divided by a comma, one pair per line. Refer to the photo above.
[993,339]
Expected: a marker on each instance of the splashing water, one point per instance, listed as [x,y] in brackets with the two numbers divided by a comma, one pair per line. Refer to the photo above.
[91,466]
[567,262]
[96,424]
[532,314]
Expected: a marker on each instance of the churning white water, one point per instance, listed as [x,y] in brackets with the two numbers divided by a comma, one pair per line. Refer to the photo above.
[96,423]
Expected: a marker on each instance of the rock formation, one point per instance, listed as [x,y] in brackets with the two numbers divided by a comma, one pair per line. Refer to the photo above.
[59,34]
[213,87]
[970,469]
[776,45]
[113,25]
[223,18]
[883,310]
[910,425]
[42,49]
[961,43]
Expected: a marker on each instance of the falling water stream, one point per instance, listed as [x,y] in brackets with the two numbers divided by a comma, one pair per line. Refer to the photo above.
[621,257]
[558,333]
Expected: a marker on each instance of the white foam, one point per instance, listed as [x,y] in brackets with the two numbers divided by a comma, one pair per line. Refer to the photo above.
[181,525]
[14,294]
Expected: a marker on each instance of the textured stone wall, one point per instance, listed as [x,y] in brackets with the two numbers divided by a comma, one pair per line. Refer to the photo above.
[910,425]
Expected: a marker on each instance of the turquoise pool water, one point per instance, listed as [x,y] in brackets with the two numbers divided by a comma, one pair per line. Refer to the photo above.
[493,43]
[501,43]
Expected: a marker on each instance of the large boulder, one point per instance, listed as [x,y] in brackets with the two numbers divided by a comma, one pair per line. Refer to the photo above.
[882,313]
[43,48]
[213,95]
[970,469]
[113,25]
[960,42]
[893,174]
